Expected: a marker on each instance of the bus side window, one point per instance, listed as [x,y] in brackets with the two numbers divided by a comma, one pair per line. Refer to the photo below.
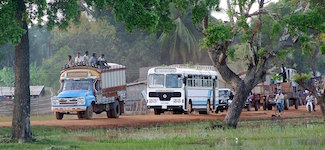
[206,81]
[189,81]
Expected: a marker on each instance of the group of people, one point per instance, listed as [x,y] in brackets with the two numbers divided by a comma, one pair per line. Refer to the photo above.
[279,99]
[85,60]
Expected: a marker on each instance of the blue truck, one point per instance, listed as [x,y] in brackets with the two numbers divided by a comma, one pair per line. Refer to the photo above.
[86,90]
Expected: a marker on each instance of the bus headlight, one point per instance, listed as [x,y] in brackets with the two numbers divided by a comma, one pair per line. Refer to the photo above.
[177,100]
[152,101]
[81,101]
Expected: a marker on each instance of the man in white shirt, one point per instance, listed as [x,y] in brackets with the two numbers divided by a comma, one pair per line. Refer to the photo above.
[78,60]
[311,98]
[279,102]
[85,58]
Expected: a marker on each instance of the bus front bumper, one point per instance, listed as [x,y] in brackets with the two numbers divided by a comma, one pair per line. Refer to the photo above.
[165,107]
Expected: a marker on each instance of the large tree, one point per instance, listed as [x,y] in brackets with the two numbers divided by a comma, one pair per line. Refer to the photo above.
[220,37]
[16,16]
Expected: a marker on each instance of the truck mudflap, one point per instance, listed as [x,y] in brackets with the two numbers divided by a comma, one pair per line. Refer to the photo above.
[68,109]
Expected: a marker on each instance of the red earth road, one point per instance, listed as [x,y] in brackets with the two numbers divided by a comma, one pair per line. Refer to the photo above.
[100,121]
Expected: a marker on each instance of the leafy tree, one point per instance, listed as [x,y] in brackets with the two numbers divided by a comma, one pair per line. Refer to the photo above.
[15,16]
[7,77]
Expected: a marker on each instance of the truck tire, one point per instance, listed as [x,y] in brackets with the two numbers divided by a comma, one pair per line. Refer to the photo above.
[59,116]
[115,109]
[249,107]
[264,106]
[157,111]
[89,112]
[257,105]
[269,106]
[286,104]
[296,104]
[81,114]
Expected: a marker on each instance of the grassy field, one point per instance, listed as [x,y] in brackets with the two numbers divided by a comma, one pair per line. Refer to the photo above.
[279,134]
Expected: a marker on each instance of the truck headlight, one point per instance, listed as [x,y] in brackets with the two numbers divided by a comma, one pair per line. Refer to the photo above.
[81,101]
[55,101]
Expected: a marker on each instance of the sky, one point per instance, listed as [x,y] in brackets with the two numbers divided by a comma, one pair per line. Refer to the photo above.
[223,6]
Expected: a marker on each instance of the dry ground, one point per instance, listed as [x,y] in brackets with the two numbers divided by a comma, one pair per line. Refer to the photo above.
[100,121]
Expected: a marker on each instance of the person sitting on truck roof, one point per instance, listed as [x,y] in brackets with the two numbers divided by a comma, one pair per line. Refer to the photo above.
[86,58]
[78,60]
[101,61]
[69,63]
[93,60]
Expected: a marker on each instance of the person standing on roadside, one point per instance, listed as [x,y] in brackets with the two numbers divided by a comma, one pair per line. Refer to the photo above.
[284,73]
[279,102]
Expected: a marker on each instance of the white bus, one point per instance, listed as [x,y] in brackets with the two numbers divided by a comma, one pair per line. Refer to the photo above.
[181,90]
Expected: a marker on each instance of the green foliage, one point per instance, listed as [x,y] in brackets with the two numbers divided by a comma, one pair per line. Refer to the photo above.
[301,78]
[202,8]
[231,53]
[261,52]
[276,77]
[282,54]
[36,76]
[7,77]
[275,29]
[322,49]
[50,69]
[217,34]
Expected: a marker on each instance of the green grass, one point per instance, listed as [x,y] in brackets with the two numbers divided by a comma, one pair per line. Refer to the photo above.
[285,134]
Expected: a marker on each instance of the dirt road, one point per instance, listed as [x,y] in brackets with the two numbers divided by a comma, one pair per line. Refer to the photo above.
[100,121]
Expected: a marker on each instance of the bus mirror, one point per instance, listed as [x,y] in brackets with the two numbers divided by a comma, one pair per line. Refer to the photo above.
[184,80]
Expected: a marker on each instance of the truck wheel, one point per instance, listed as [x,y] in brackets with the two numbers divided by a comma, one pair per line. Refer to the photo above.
[59,116]
[286,104]
[217,110]
[296,104]
[81,114]
[269,106]
[257,105]
[115,109]
[157,111]
[264,106]
[249,107]
[89,112]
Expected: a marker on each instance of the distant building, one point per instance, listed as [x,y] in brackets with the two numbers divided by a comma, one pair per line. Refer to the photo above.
[9,92]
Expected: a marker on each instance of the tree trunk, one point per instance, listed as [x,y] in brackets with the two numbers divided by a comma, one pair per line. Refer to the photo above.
[237,105]
[321,102]
[21,129]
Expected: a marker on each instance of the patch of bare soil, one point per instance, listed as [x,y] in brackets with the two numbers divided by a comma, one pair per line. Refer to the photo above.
[100,121]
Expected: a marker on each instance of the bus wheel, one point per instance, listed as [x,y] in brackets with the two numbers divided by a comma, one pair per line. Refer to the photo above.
[157,111]
[89,112]
[81,114]
[190,108]
[59,116]
[115,109]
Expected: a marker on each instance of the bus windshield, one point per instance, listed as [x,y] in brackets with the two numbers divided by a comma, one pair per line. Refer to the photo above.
[173,81]
[156,80]
[76,85]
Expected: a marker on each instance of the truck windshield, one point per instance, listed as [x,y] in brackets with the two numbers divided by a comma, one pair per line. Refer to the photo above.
[224,93]
[173,81]
[76,85]
[156,80]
